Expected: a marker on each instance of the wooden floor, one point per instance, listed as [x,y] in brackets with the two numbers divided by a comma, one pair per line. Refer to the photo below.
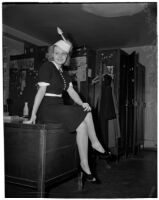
[135,177]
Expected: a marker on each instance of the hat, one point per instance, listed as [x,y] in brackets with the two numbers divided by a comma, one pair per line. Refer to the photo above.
[64,45]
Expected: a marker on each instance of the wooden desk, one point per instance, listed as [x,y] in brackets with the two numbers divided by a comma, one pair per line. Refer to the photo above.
[38,156]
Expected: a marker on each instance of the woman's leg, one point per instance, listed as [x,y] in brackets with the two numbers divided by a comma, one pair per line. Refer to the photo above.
[82,143]
[92,134]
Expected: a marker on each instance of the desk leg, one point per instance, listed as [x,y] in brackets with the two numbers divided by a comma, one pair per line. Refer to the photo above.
[41,169]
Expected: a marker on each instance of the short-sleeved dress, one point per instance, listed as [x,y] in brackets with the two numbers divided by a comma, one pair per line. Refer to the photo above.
[52,109]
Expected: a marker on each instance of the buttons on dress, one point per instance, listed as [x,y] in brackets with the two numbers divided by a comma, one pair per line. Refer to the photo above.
[64,81]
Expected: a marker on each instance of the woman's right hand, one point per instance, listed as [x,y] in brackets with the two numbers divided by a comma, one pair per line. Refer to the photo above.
[32,120]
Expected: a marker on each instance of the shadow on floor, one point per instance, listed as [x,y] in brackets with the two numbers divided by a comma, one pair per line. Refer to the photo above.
[135,177]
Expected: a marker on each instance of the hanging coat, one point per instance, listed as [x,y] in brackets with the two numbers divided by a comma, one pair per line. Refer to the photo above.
[107,110]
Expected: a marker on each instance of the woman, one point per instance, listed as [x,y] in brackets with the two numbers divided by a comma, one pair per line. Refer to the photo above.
[48,102]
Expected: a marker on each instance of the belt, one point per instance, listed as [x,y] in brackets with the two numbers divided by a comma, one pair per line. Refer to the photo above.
[53,95]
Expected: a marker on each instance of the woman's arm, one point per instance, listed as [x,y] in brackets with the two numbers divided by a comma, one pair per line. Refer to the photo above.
[76,98]
[38,98]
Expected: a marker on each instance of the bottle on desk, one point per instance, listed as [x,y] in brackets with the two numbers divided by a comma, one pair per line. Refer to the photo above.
[26,110]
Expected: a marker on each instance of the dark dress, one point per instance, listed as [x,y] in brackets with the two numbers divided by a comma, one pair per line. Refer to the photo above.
[52,109]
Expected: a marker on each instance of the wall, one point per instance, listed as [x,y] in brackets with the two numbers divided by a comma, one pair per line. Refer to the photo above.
[148,57]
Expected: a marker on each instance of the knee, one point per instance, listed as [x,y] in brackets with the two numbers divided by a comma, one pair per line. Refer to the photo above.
[89,115]
[83,125]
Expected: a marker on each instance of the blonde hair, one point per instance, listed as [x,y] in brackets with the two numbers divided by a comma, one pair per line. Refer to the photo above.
[49,53]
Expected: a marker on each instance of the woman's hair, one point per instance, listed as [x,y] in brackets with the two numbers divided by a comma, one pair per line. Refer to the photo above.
[49,53]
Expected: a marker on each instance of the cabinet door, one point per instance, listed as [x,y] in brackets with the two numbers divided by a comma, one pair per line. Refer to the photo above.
[132,98]
[140,103]
[123,98]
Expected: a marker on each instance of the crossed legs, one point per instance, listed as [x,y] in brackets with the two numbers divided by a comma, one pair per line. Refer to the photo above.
[84,131]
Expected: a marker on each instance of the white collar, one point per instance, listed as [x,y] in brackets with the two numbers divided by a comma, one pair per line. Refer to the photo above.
[59,68]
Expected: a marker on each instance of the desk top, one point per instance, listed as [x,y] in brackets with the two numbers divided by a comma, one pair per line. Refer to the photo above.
[16,124]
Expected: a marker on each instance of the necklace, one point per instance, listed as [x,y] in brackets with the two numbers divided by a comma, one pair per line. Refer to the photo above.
[64,81]
[60,71]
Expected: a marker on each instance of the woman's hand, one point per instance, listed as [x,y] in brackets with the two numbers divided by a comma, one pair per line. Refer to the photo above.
[32,120]
[76,98]
[86,107]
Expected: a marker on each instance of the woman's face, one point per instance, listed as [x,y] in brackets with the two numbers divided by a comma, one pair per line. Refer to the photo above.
[59,55]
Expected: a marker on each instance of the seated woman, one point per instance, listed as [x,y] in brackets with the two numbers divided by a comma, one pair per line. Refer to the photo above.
[49,104]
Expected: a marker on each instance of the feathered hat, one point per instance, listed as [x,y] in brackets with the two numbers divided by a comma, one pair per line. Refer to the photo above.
[63,44]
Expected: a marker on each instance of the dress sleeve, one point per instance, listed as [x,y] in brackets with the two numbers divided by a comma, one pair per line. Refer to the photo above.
[44,75]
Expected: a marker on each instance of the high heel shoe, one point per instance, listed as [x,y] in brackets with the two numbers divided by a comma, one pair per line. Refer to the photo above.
[87,178]
[105,155]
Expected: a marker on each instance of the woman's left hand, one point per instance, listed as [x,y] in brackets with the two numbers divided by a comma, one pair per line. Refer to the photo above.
[86,107]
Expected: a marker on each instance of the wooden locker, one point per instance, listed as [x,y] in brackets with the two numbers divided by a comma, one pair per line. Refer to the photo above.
[129,93]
